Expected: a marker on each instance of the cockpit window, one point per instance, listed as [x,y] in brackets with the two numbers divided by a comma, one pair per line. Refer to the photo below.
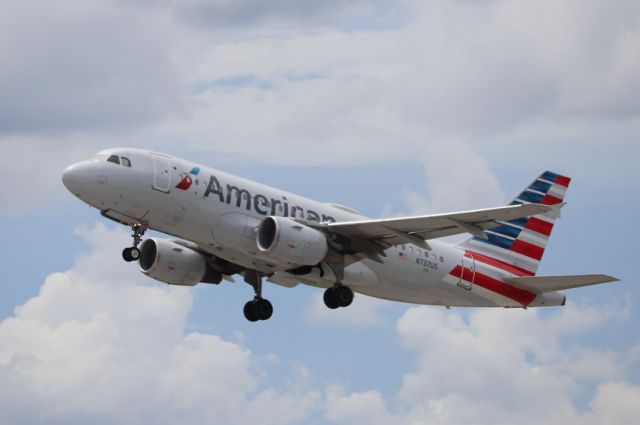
[120,160]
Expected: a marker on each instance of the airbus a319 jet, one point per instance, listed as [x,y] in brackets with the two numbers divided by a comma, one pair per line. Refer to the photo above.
[229,225]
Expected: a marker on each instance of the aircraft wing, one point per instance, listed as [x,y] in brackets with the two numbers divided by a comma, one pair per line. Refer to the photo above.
[541,284]
[396,231]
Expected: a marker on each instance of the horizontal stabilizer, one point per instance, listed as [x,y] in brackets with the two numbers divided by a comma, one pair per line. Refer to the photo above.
[541,284]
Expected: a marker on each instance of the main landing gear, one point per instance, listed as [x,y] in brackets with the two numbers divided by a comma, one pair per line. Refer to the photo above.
[259,308]
[133,253]
[338,296]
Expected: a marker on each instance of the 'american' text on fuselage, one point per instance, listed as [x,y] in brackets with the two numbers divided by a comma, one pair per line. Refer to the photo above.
[261,204]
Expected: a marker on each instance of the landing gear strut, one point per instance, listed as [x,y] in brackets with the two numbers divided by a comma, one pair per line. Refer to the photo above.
[133,253]
[259,308]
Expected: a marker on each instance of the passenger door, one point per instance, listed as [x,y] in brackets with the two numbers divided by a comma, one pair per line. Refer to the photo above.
[161,172]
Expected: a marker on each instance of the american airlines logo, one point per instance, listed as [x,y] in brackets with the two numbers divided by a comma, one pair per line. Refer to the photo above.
[187,181]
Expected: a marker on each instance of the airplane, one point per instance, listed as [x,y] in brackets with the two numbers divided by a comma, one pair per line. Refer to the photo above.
[228,225]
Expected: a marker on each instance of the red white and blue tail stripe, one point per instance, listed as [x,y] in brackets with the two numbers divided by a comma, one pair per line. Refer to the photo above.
[517,246]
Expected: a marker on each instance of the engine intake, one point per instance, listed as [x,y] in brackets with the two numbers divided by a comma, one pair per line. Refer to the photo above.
[290,242]
[175,264]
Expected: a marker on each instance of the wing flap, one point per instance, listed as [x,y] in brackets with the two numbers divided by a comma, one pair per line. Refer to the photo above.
[433,226]
[542,284]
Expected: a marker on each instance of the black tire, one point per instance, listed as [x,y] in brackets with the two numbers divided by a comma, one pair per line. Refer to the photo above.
[263,309]
[344,296]
[330,298]
[250,312]
[126,255]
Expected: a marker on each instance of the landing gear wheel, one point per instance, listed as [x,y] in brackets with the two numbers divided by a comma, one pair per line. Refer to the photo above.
[330,299]
[260,309]
[344,294]
[127,254]
[338,296]
[249,312]
[263,308]
[133,253]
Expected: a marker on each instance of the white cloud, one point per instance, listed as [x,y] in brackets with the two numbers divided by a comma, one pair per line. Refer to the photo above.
[457,179]
[615,403]
[481,73]
[247,13]
[500,367]
[85,65]
[503,366]
[99,345]
[356,408]
[49,155]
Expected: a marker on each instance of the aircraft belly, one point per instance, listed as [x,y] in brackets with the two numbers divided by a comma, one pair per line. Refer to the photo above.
[428,294]
[405,281]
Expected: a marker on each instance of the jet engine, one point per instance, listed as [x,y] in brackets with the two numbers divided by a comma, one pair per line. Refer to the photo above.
[175,264]
[290,242]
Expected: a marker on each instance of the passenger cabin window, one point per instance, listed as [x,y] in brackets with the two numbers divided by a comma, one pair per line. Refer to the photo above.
[125,161]
[114,159]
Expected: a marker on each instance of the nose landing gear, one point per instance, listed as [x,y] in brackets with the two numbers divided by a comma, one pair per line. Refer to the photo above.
[133,253]
[259,308]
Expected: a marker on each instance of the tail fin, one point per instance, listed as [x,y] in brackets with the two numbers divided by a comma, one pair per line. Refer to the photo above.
[518,245]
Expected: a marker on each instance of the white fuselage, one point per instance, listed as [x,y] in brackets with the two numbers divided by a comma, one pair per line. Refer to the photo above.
[220,212]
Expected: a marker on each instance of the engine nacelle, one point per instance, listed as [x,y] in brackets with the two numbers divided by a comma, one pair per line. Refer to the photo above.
[288,241]
[175,264]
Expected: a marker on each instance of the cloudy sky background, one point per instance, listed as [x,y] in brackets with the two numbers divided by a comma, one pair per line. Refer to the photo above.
[390,107]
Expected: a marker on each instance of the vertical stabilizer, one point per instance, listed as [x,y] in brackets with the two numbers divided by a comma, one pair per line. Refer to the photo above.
[518,245]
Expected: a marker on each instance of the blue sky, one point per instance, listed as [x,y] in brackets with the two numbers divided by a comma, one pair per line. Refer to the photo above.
[390,108]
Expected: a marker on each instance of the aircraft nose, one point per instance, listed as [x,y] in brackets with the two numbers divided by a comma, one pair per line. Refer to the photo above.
[73,179]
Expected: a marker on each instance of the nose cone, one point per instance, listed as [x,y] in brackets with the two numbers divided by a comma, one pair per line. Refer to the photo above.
[73,179]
